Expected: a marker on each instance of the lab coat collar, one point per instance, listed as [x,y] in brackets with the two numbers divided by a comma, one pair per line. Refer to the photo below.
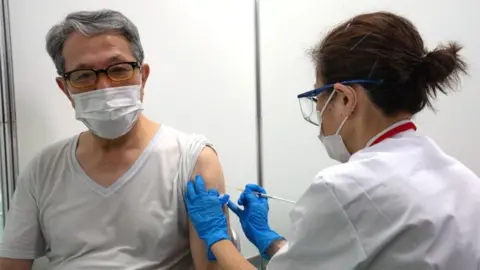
[402,126]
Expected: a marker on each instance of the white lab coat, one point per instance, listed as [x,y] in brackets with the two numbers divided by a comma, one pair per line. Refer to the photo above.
[400,204]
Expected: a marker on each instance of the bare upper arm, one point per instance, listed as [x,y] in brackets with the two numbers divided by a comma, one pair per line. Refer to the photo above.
[14,264]
[209,167]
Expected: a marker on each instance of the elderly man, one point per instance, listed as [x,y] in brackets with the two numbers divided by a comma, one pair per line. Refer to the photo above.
[110,197]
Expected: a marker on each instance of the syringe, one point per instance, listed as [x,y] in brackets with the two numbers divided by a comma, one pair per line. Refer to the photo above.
[265,195]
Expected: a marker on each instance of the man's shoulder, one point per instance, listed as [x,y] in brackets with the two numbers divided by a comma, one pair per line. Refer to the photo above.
[52,155]
[181,148]
[59,146]
[170,131]
[169,137]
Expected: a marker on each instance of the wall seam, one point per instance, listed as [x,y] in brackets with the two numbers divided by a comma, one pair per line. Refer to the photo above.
[258,96]
[9,127]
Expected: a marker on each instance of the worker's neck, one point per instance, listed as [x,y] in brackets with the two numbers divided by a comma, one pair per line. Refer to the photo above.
[372,128]
[137,137]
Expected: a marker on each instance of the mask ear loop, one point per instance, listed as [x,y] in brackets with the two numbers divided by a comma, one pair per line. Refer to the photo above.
[320,114]
[328,101]
[342,124]
[345,120]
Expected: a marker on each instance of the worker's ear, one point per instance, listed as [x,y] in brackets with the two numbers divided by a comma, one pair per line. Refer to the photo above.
[62,84]
[347,96]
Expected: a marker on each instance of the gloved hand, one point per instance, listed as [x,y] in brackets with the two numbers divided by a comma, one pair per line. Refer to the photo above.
[254,218]
[205,210]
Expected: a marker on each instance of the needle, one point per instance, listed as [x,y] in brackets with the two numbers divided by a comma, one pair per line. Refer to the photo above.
[266,195]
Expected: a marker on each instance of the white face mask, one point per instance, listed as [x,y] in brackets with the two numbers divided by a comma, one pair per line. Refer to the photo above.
[111,112]
[334,144]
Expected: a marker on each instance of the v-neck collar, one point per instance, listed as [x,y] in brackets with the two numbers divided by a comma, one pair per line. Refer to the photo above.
[122,180]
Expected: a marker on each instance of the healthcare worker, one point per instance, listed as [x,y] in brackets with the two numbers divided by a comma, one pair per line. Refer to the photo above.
[396,201]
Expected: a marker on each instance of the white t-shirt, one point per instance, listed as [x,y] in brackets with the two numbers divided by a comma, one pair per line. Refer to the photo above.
[139,222]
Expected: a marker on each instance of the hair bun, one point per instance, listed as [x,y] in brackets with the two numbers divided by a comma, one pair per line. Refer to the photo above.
[441,68]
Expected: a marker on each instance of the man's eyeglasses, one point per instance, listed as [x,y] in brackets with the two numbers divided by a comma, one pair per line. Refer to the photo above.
[85,78]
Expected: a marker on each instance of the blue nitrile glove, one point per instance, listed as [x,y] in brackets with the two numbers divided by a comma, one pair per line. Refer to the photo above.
[254,218]
[205,210]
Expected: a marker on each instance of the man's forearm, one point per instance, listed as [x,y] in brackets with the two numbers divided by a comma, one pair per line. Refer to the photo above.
[216,265]
[275,247]
[228,257]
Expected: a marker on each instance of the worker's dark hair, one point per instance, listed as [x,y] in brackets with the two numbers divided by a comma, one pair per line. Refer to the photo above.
[388,47]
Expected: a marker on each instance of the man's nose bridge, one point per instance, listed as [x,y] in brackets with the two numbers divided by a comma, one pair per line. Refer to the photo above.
[102,80]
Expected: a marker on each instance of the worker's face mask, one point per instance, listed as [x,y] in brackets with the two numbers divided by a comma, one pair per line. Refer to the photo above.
[334,144]
[111,112]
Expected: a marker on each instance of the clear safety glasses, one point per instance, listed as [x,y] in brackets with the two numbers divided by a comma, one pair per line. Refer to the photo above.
[308,108]
[308,100]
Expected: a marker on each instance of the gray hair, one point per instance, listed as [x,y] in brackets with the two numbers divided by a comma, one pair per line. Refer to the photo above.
[91,23]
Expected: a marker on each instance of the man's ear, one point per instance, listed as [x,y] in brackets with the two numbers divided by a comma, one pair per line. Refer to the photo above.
[349,96]
[62,84]
[145,73]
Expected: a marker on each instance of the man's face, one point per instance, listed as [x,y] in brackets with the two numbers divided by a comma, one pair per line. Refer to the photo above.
[99,52]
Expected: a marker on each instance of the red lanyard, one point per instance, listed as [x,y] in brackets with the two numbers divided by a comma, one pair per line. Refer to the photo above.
[394,131]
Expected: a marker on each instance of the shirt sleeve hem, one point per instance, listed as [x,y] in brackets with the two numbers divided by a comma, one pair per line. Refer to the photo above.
[18,255]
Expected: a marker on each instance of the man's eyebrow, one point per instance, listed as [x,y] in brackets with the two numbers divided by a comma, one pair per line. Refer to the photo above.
[111,60]
[115,59]
[81,66]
